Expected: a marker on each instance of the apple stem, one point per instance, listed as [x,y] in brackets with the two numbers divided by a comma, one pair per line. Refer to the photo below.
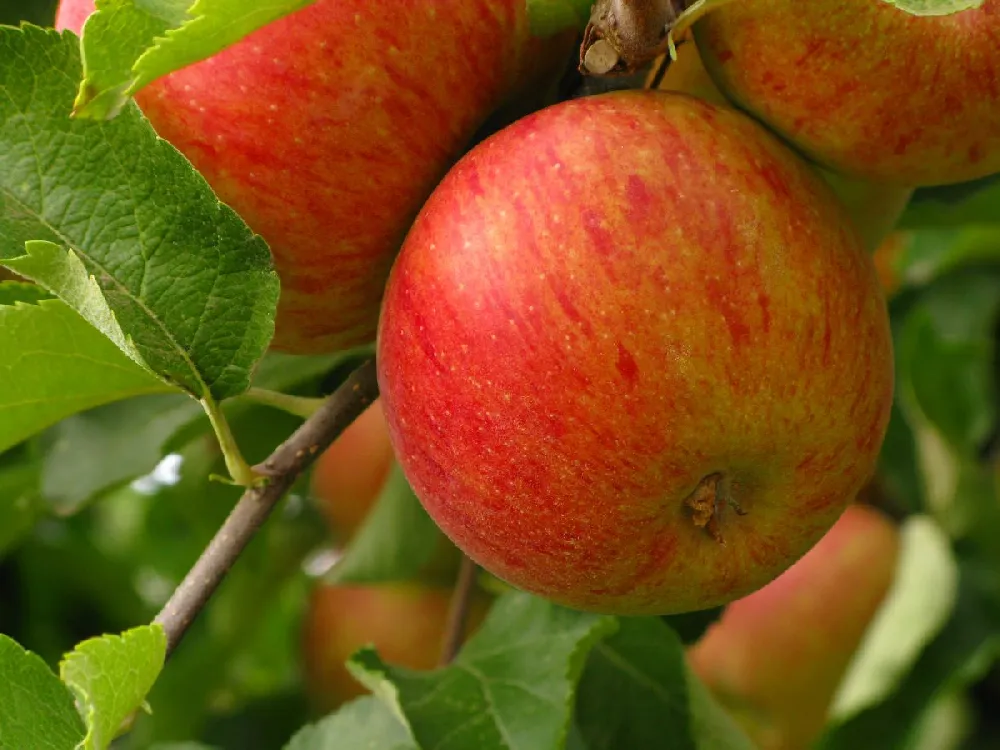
[458,611]
[299,406]
[281,469]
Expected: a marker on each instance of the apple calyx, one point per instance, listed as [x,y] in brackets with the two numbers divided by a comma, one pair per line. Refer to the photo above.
[706,502]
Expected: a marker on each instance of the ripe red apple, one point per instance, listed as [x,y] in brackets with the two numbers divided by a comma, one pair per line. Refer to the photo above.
[405,622]
[776,657]
[874,207]
[615,317]
[349,476]
[864,87]
[327,129]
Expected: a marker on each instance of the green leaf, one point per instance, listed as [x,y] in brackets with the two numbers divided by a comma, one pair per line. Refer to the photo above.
[934,7]
[636,691]
[111,677]
[396,540]
[929,254]
[12,292]
[548,17]
[54,365]
[20,503]
[128,44]
[127,231]
[362,723]
[36,710]
[918,605]
[511,687]
[945,353]
[91,452]
[964,650]
[951,206]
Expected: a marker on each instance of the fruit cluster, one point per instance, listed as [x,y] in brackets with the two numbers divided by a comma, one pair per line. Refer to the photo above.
[633,351]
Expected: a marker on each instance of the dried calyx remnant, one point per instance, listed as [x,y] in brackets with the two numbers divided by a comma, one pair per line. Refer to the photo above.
[624,35]
[707,501]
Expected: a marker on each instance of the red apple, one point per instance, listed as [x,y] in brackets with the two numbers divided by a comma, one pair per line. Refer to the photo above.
[874,207]
[327,129]
[405,622]
[607,312]
[864,87]
[349,476]
[776,658]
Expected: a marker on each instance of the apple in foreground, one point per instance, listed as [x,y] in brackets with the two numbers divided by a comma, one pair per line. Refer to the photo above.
[350,474]
[864,87]
[633,356]
[776,657]
[328,128]
[406,622]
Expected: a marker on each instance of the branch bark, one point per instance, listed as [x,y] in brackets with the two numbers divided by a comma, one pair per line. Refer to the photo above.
[458,612]
[282,468]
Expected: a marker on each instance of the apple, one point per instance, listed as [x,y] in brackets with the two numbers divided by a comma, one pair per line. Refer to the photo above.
[405,622]
[328,128]
[350,474]
[776,657]
[864,87]
[633,356]
[874,207]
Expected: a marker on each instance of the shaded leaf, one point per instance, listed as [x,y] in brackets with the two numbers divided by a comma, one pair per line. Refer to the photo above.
[91,452]
[636,691]
[396,540]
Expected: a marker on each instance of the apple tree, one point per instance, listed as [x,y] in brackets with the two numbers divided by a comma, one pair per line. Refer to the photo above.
[514,374]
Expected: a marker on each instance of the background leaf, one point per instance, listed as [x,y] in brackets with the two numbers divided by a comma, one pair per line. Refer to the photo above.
[396,540]
[917,606]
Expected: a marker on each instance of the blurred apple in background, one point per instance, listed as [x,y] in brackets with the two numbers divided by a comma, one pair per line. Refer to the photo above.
[777,656]
[405,622]
[349,476]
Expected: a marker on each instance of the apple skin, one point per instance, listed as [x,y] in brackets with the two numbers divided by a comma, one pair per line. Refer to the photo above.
[328,128]
[406,622]
[864,87]
[608,302]
[874,207]
[350,474]
[776,657]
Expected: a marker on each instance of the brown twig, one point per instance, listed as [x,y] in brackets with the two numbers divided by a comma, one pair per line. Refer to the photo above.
[458,612]
[282,468]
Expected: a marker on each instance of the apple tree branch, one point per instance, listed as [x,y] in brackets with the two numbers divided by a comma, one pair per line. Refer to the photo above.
[281,469]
